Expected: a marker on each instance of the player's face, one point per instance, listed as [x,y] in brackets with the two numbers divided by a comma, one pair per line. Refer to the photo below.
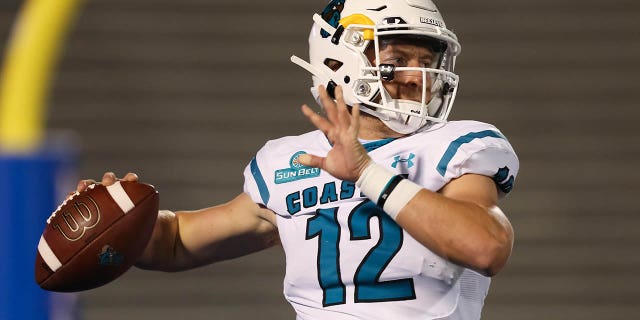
[406,84]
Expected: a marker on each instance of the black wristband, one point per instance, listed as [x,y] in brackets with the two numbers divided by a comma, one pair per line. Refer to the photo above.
[384,195]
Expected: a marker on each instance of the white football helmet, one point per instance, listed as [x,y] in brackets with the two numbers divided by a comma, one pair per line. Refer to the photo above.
[346,28]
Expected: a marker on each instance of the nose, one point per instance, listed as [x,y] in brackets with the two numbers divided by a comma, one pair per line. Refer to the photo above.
[410,78]
[410,83]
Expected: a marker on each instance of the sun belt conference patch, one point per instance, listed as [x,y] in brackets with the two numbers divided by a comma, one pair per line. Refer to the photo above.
[296,170]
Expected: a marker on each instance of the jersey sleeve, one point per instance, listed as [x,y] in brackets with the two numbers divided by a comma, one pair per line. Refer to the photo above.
[485,152]
[499,164]
[254,180]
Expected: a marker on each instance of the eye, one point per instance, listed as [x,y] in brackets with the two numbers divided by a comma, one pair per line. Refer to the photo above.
[396,61]
[426,64]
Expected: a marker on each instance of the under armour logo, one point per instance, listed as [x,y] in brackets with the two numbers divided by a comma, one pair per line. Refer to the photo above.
[408,161]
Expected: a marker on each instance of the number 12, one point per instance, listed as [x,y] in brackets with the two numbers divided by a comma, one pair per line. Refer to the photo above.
[368,287]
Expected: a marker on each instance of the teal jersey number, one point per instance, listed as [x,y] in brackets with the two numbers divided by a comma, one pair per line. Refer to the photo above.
[325,226]
[368,287]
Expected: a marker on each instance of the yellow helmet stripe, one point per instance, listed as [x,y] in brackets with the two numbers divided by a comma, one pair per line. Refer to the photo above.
[358,19]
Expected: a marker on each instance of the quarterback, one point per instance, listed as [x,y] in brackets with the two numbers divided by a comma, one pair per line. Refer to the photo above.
[388,210]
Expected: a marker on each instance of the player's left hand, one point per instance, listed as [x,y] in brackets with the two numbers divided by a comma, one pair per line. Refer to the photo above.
[348,158]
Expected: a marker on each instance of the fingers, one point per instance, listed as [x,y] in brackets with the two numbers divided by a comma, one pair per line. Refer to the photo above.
[328,104]
[83,184]
[310,160]
[355,117]
[108,179]
[335,110]
[317,120]
[130,177]
[343,115]
[337,113]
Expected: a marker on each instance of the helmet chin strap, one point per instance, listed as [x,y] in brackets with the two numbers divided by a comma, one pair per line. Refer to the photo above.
[405,123]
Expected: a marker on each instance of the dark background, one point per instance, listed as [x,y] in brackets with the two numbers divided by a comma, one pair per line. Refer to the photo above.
[185,92]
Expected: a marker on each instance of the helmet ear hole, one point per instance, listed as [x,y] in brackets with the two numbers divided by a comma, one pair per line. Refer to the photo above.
[333,64]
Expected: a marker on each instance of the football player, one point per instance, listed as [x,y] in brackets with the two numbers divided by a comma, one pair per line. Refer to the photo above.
[387,211]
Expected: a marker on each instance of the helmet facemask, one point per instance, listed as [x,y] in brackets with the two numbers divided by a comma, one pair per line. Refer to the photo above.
[431,87]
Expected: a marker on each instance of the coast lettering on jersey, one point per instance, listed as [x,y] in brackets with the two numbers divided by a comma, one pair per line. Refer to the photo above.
[296,171]
[311,196]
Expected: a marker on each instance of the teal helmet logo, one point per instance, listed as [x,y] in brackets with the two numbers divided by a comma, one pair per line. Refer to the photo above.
[331,14]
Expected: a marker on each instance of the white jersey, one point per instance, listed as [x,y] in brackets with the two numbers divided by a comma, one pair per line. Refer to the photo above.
[345,258]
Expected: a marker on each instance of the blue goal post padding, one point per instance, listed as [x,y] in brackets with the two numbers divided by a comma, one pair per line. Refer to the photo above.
[31,187]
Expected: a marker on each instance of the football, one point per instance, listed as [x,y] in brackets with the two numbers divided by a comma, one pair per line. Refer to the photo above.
[95,236]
